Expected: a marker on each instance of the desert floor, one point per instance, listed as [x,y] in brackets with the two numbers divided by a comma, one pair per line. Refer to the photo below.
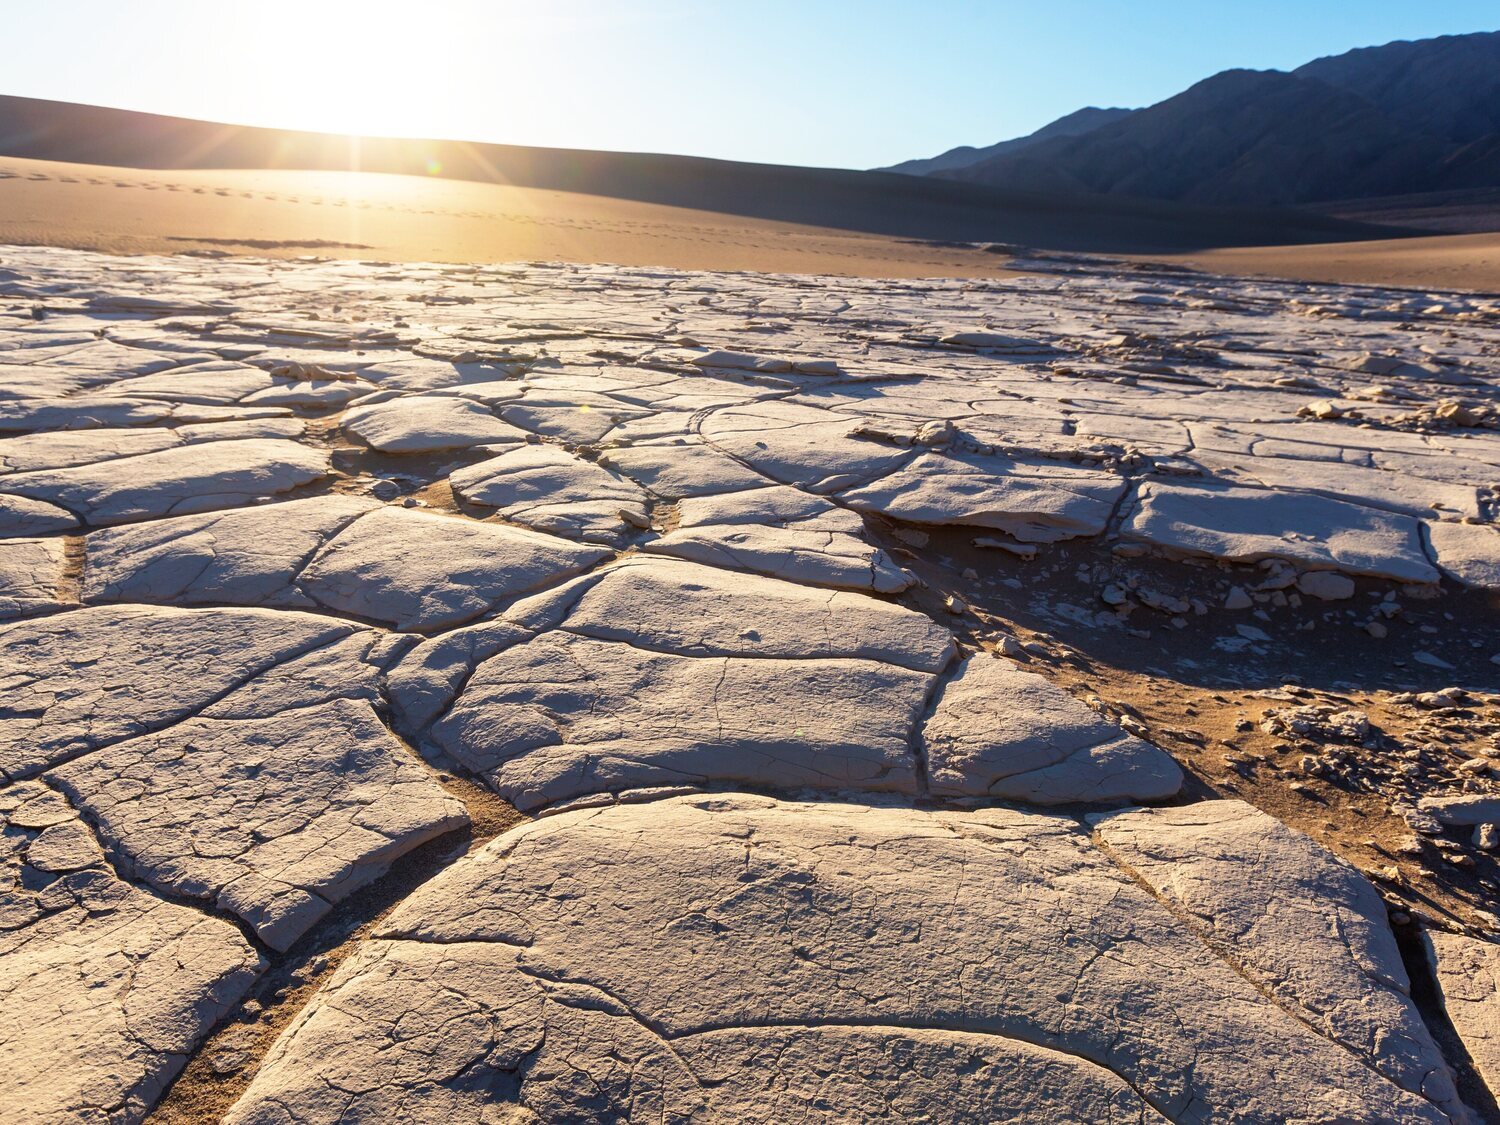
[453,692]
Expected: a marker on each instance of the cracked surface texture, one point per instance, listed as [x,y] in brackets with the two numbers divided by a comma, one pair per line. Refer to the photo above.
[31,574]
[662,672]
[1307,928]
[293,552]
[273,819]
[75,682]
[105,988]
[696,958]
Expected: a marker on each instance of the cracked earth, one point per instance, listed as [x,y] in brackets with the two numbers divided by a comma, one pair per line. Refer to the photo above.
[572,693]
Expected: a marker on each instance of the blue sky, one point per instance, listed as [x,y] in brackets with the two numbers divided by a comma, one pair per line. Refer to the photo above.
[832,82]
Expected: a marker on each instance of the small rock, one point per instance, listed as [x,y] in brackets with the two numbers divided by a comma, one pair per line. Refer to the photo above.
[227,1062]
[1020,550]
[934,433]
[1462,811]
[1162,603]
[1009,646]
[1326,585]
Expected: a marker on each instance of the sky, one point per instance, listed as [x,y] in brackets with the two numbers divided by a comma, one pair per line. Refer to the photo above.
[844,83]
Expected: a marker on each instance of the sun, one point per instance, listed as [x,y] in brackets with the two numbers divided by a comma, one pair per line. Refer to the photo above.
[379,68]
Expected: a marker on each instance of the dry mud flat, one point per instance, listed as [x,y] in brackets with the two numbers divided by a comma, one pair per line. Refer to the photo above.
[802,648]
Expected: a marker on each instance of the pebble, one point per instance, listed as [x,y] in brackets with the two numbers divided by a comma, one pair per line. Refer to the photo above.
[1237,599]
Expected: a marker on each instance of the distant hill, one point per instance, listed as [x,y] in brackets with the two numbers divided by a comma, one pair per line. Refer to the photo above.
[1401,119]
[1075,124]
[918,207]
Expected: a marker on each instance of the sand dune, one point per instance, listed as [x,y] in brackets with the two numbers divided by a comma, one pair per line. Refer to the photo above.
[408,218]
[369,215]
[868,202]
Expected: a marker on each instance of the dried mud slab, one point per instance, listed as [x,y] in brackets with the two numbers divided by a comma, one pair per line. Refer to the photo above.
[221,474]
[75,682]
[1468,977]
[427,423]
[273,820]
[1304,926]
[251,556]
[665,672]
[31,575]
[1033,501]
[999,731]
[549,489]
[1240,525]
[418,570]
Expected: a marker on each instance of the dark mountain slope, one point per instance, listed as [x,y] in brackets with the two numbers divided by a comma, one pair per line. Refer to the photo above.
[1448,87]
[1402,119]
[1239,137]
[1075,124]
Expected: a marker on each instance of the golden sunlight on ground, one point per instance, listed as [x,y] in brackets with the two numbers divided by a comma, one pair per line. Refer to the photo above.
[1444,261]
[407,218]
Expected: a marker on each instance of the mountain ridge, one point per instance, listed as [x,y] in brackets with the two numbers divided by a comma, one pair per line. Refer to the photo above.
[1074,124]
[1398,119]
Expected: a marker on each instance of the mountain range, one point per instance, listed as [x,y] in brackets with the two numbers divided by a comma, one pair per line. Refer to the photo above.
[1401,119]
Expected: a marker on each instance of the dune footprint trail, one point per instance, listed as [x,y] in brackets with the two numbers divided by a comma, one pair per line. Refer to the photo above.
[302,563]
